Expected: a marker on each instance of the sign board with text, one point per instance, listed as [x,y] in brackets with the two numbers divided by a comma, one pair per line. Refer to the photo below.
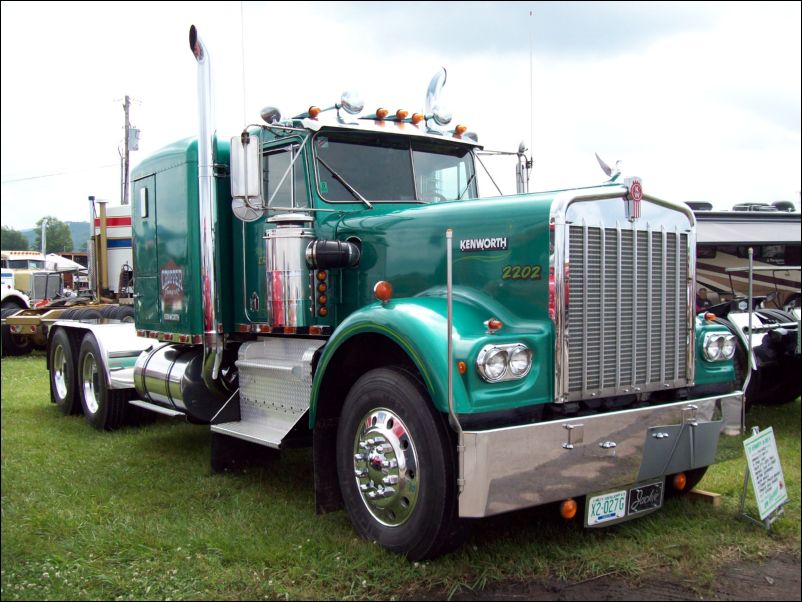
[767,475]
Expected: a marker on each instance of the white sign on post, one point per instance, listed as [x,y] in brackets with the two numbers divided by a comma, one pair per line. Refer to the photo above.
[767,475]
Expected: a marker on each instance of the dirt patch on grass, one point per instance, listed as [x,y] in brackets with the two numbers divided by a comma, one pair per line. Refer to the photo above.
[775,579]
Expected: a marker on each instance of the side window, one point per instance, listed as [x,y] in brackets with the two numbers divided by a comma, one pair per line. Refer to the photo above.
[283,183]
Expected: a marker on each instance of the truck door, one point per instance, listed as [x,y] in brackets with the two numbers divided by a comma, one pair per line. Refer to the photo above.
[284,180]
[145,252]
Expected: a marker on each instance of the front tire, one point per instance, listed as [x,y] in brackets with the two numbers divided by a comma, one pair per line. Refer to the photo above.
[104,408]
[396,466]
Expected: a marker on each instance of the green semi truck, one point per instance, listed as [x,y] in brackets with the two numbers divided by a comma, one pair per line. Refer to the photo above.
[335,279]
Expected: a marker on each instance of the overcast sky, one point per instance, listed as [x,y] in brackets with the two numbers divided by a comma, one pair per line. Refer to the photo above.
[702,100]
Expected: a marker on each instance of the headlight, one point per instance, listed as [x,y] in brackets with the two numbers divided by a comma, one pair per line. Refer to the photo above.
[492,363]
[728,347]
[520,361]
[719,347]
[497,363]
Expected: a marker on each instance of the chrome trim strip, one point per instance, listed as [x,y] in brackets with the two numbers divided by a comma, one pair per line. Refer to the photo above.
[634,380]
[584,304]
[618,300]
[503,473]
[663,304]
[650,260]
[676,301]
[602,279]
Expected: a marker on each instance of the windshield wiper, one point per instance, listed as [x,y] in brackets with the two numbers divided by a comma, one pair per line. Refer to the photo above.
[468,185]
[354,192]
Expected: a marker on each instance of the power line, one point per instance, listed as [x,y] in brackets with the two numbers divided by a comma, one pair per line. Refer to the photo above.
[56,174]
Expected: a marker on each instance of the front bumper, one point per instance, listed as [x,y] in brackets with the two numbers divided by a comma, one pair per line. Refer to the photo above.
[519,467]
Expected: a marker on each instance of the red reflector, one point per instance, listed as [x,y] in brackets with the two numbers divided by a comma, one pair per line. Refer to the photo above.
[494,324]
[264,328]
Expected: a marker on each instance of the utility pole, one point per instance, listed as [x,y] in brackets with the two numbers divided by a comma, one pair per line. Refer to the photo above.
[127,107]
[131,143]
[44,236]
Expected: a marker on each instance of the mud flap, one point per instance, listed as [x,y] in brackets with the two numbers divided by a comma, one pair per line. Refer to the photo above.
[679,447]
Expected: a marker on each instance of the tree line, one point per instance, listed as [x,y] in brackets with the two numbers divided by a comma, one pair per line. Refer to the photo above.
[58,237]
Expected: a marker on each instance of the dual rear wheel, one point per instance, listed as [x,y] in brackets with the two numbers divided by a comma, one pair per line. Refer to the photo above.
[78,382]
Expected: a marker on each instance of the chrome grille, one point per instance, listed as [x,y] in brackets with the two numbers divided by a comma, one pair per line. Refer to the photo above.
[627,310]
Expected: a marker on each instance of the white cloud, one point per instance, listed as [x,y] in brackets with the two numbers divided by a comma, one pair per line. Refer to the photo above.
[702,101]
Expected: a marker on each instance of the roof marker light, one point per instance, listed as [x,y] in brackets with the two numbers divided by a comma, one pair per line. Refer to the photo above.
[314,111]
[417,118]
[381,113]
[401,114]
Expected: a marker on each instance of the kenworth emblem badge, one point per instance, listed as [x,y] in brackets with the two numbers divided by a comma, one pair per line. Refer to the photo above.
[498,243]
[634,197]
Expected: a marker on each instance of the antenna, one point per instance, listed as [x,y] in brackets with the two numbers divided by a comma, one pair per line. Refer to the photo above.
[242,41]
[531,92]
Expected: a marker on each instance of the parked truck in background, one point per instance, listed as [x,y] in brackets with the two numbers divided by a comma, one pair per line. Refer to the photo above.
[108,294]
[336,280]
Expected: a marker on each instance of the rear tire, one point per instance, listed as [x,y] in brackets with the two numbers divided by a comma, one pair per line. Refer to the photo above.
[13,344]
[104,408]
[396,466]
[63,376]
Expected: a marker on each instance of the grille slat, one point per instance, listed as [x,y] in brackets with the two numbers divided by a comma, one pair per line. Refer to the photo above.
[627,333]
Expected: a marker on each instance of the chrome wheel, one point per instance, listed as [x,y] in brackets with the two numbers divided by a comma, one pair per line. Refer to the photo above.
[90,382]
[60,372]
[386,467]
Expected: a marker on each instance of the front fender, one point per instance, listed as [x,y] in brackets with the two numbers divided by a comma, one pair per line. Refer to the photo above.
[419,326]
[708,372]
[416,325]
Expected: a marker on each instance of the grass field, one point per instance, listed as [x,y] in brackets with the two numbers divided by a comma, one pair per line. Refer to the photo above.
[137,514]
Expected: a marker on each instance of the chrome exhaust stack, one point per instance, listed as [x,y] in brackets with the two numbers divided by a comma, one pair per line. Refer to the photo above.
[213,343]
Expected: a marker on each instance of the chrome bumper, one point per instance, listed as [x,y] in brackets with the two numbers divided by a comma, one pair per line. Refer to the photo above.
[523,466]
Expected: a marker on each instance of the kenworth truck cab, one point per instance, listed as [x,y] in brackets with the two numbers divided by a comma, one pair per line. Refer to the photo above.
[336,278]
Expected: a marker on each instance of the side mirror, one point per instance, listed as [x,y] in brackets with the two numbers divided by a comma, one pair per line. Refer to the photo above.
[246,178]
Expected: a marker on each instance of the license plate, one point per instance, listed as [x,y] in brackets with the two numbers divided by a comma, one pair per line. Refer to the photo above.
[617,506]
[607,507]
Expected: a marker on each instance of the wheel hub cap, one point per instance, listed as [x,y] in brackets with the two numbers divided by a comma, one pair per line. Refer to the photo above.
[386,467]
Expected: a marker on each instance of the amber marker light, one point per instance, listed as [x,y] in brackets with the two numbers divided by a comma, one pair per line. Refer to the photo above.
[494,324]
[462,367]
[401,114]
[322,275]
[314,111]
[710,317]
[381,113]
[417,118]
[460,130]
[680,481]
[568,509]
[383,291]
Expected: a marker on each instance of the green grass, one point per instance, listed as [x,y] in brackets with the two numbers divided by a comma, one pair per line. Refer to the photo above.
[138,514]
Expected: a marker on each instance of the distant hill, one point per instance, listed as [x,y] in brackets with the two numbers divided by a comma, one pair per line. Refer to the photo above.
[78,230]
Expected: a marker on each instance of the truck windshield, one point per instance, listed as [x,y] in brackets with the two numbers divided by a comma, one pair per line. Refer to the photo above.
[380,167]
[26,264]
